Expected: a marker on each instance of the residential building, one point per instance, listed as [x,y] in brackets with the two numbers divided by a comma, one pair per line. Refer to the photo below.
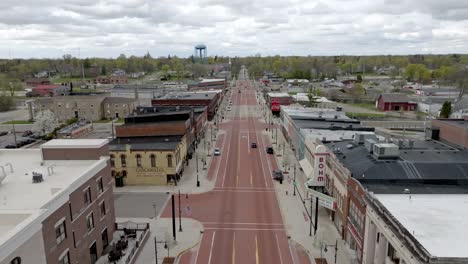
[58,204]
[50,90]
[395,102]
[210,99]
[91,107]
[153,148]
[33,82]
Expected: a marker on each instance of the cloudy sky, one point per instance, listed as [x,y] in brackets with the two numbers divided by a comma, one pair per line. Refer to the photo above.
[107,28]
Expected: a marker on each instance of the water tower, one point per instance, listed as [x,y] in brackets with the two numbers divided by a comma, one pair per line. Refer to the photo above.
[200,54]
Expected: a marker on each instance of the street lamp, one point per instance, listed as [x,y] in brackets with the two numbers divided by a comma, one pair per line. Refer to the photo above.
[196,158]
[294,182]
[324,248]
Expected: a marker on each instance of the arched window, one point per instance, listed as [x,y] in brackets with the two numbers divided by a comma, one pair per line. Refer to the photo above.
[124,173]
[138,160]
[169,160]
[153,160]
[123,160]
[16,260]
[112,161]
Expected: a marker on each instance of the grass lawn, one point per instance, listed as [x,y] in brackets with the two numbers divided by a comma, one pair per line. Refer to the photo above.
[364,115]
[292,93]
[18,122]
[68,79]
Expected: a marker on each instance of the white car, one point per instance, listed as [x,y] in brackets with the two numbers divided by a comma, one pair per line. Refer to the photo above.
[217,152]
[230,103]
[229,109]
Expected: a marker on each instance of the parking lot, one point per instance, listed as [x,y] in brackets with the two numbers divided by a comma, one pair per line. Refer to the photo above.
[139,205]
[9,139]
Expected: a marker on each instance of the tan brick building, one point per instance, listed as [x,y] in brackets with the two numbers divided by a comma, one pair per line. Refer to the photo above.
[60,206]
[91,107]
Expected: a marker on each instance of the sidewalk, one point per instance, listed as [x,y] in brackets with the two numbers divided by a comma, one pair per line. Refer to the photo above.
[296,213]
[162,229]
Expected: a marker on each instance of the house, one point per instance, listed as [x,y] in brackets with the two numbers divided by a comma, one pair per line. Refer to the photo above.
[395,102]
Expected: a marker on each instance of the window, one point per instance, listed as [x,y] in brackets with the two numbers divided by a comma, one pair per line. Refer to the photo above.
[105,239]
[138,160]
[100,185]
[90,222]
[112,161]
[65,258]
[153,160]
[60,231]
[169,160]
[16,260]
[102,208]
[87,196]
[123,160]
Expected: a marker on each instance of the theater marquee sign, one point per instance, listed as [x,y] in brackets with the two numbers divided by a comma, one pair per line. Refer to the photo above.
[150,172]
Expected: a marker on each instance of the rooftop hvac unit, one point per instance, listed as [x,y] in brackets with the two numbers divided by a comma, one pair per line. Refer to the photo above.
[360,137]
[385,151]
[369,144]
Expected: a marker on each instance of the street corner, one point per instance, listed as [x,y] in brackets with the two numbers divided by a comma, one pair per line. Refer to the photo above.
[299,253]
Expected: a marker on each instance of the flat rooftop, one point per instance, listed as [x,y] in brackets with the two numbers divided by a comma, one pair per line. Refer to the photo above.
[145,143]
[75,143]
[22,201]
[438,221]
[427,163]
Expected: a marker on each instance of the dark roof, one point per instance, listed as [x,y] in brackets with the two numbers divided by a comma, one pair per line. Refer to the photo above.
[158,117]
[331,124]
[430,163]
[456,122]
[168,109]
[395,97]
[188,96]
[145,143]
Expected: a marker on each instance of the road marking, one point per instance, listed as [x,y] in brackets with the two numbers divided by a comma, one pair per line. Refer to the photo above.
[246,188]
[279,250]
[234,247]
[198,250]
[227,158]
[239,223]
[244,229]
[211,248]
[261,159]
[250,178]
[256,250]
[220,160]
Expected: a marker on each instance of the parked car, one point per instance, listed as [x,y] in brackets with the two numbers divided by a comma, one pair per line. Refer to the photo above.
[10,146]
[217,152]
[229,108]
[230,103]
[278,175]
[36,135]
[339,108]
[269,150]
[3,133]
[253,145]
[27,133]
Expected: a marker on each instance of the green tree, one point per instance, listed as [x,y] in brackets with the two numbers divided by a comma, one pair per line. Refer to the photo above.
[6,103]
[446,110]
[359,78]
[312,96]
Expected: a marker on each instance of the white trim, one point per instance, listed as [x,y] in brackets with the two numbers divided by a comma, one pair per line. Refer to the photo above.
[63,254]
[59,222]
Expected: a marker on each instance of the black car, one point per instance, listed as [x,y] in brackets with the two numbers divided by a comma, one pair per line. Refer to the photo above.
[3,133]
[278,175]
[339,108]
[269,150]
[253,145]
[27,133]
[10,146]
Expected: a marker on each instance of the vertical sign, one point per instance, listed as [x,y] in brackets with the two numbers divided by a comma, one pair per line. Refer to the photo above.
[318,178]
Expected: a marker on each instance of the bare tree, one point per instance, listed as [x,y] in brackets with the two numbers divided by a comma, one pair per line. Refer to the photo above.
[45,121]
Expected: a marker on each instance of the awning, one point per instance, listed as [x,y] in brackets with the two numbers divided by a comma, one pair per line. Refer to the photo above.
[306,167]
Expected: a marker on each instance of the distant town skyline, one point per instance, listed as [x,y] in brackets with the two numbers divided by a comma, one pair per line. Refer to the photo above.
[101,28]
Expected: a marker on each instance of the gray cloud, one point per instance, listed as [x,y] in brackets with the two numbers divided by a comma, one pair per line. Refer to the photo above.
[49,28]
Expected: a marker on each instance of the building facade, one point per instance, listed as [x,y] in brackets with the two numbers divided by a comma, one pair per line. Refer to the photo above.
[395,102]
[67,214]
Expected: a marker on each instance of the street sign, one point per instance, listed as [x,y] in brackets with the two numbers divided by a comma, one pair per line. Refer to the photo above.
[324,200]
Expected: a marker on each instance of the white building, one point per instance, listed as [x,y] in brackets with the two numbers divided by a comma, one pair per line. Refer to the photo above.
[416,228]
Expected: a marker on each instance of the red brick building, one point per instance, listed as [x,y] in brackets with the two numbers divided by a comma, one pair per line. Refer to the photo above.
[453,131]
[113,79]
[209,99]
[33,82]
[64,191]
[395,102]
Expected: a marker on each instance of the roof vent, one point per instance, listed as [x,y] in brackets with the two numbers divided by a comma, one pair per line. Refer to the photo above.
[406,191]
[37,177]
[166,140]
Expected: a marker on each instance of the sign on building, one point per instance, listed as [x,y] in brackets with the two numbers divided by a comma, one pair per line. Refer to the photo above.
[324,200]
[318,177]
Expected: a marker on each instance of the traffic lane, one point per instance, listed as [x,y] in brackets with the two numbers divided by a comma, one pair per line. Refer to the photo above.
[229,205]
[188,257]
[216,160]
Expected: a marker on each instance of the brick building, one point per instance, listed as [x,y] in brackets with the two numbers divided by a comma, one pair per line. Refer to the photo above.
[453,131]
[50,90]
[395,102]
[152,147]
[33,82]
[210,99]
[113,79]
[91,107]
[60,206]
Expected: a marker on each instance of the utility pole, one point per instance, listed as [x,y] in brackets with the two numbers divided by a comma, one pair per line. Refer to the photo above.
[180,215]
[173,218]
[316,214]
[310,225]
[14,134]
[294,183]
